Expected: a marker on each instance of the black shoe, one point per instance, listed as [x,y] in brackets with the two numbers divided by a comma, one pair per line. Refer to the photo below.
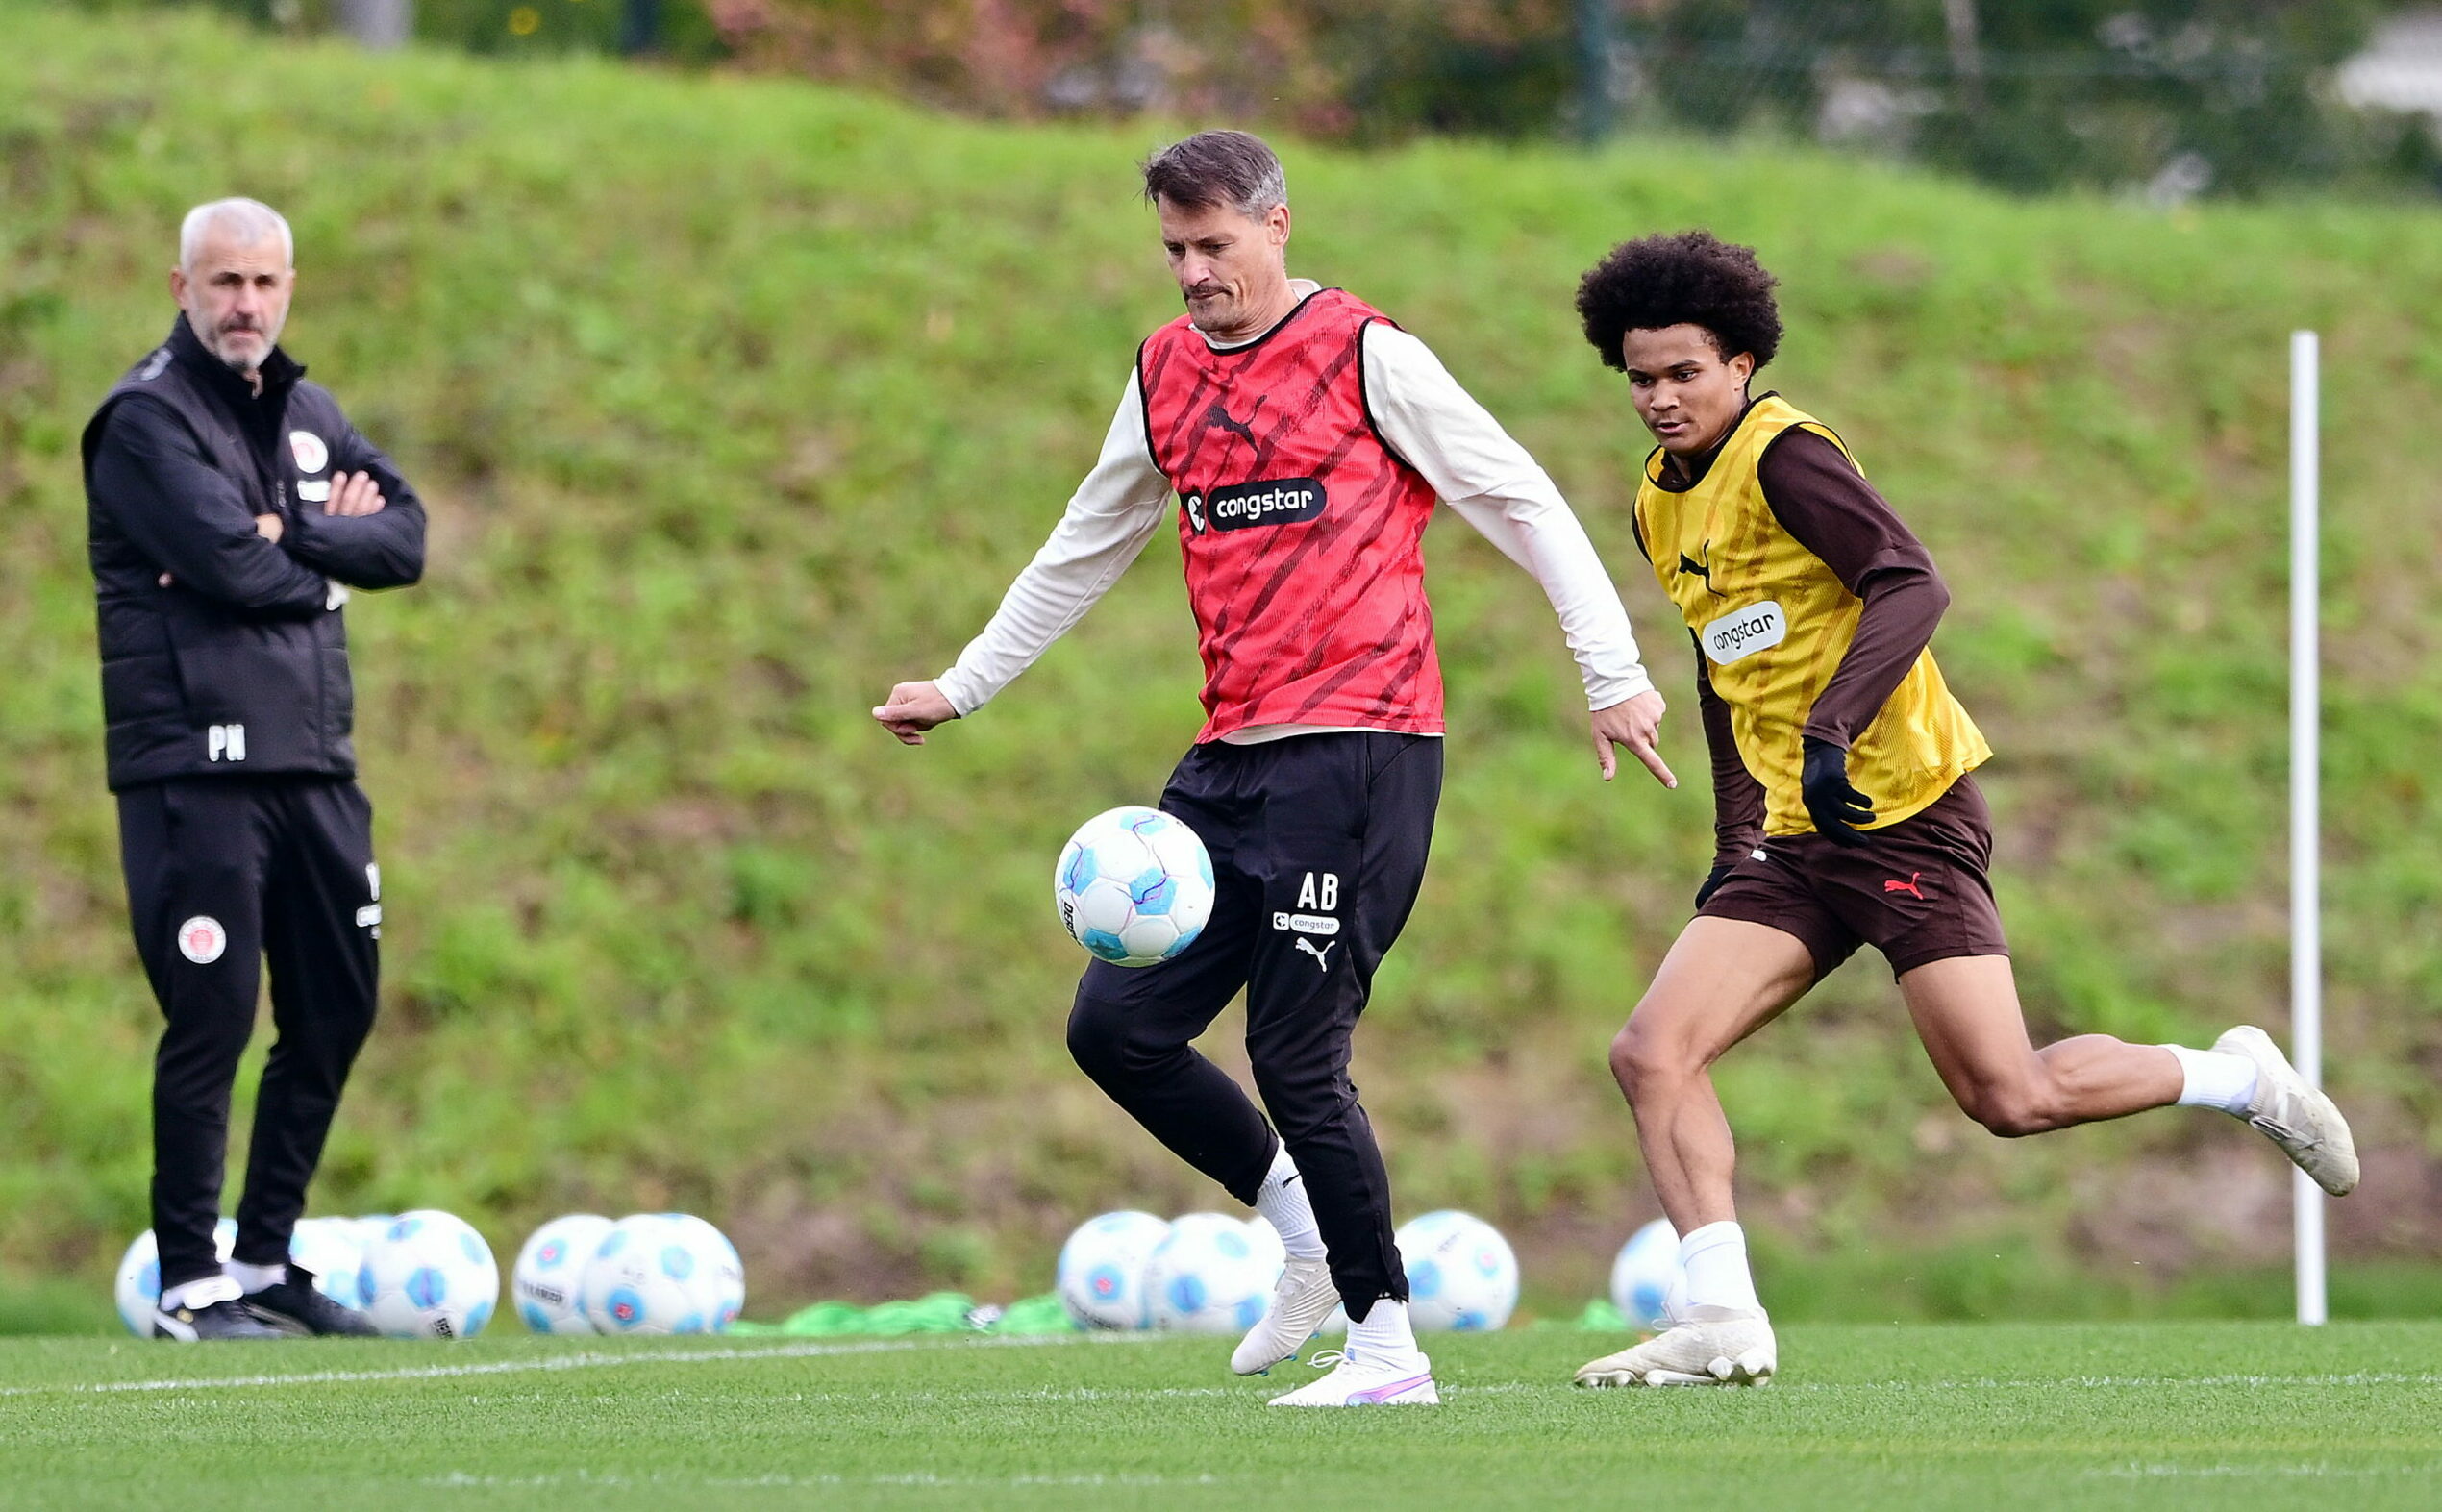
[294,1307]
[227,1319]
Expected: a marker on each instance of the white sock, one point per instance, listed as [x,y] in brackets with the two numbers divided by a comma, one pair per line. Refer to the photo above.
[1384,1335]
[1281,1201]
[1714,1258]
[2209,1079]
[255,1277]
[201,1294]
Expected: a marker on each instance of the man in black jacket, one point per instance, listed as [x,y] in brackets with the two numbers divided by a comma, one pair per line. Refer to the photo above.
[231,507]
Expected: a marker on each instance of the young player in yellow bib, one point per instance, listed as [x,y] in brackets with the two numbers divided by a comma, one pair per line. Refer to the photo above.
[1844,811]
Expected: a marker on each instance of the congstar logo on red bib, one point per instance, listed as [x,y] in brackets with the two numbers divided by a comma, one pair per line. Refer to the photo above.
[1276,501]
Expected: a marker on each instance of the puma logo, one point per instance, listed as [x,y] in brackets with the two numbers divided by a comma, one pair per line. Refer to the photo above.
[1322,956]
[1700,568]
[1909,887]
[1219,419]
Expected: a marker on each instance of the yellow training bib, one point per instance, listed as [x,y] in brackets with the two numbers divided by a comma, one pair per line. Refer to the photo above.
[1773,622]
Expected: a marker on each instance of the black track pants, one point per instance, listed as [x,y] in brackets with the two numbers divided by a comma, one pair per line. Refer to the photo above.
[1318,848]
[223,874]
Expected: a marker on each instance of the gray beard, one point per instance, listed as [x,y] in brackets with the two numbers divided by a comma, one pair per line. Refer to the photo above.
[239,364]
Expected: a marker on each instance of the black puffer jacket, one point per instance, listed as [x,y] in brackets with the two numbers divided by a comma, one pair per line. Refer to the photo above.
[239,665]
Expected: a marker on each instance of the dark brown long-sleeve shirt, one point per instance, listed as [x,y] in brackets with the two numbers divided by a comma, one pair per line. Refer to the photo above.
[1826,505]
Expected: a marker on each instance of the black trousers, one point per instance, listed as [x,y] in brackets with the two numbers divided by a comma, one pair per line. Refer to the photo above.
[222,874]
[1318,848]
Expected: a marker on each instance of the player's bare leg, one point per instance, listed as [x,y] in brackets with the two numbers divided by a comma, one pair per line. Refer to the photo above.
[1723,979]
[1967,1013]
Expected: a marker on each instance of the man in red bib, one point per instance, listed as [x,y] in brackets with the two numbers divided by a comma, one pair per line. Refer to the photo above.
[1307,439]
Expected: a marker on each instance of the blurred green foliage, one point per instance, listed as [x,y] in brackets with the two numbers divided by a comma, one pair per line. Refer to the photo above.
[2171,98]
[737,400]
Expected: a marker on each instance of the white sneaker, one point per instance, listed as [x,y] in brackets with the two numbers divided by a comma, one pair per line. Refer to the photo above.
[1301,1300]
[2293,1115]
[1720,1348]
[1356,1382]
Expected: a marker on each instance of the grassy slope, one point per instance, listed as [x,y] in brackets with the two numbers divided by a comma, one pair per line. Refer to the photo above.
[736,400]
[2076,1418]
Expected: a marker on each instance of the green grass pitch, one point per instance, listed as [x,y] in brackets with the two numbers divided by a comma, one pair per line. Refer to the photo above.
[2063,1417]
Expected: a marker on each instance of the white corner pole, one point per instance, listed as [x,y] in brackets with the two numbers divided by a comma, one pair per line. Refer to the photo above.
[2306,784]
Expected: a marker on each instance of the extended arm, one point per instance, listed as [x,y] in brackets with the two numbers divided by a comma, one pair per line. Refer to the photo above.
[381,549]
[1109,518]
[1492,483]
[1828,507]
[152,481]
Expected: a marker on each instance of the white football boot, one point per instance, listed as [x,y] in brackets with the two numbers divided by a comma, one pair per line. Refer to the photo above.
[1301,1300]
[1703,1347]
[2293,1115]
[1359,1382]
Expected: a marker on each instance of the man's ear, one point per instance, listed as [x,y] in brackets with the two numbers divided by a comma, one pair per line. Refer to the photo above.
[1276,223]
[1744,367]
[178,285]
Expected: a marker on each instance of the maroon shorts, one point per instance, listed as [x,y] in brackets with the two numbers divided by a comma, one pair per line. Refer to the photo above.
[1918,890]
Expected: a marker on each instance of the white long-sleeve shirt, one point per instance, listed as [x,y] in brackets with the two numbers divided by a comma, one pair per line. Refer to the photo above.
[1428,419]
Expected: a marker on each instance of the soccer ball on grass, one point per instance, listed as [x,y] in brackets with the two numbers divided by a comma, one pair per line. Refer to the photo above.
[1212,1274]
[430,1275]
[551,1269]
[1462,1274]
[328,1249]
[1646,1278]
[662,1272]
[1102,1269]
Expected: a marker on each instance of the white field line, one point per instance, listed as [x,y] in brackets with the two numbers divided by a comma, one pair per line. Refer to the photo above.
[813,1350]
[461,1480]
[555,1362]
[2132,1382]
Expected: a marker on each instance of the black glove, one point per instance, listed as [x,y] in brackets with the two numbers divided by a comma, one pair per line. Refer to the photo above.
[1835,806]
[1719,874]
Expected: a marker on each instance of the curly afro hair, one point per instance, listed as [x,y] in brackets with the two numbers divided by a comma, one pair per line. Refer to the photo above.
[1689,279]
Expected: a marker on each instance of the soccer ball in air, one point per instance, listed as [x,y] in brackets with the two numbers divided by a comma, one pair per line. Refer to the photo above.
[1462,1274]
[1134,885]
[1646,1276]
[329,1250]
[1212,1274]
[139,1288]
[662,1272]
[549,1270]
[1101,1269]
[430,1277]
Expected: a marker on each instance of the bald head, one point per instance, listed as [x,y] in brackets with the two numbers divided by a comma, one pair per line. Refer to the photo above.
[235,272]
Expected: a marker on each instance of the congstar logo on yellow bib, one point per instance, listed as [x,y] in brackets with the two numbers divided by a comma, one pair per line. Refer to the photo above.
[1758,627]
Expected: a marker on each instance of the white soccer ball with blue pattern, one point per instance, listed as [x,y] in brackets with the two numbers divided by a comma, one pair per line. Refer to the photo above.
[329,1250]
[1102,1269]
[138,1287]
[1462,1276]
[1212,1274]
[663,1274]
[1134,885]
[430,1275]
[551,1269]
[1646,1276]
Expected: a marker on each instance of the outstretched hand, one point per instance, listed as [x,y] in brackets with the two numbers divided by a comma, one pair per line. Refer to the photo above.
[911,710]
[1632,724]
